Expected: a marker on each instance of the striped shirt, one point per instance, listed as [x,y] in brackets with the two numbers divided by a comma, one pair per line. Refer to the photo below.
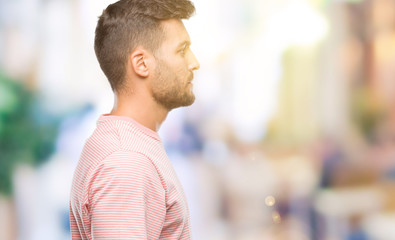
[124,186]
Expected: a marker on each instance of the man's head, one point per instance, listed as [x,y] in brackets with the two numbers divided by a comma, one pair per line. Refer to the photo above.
[146,25]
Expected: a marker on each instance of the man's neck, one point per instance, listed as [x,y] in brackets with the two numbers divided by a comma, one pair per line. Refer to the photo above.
[148,113]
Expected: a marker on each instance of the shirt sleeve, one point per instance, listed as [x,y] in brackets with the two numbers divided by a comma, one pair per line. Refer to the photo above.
[126,198]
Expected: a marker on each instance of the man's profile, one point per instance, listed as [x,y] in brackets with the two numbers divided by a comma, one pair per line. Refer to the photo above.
[124,186]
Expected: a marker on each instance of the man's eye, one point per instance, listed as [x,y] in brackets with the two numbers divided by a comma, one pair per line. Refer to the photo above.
[184,50]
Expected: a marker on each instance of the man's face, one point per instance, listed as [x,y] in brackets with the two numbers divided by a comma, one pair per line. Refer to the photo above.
[172,81]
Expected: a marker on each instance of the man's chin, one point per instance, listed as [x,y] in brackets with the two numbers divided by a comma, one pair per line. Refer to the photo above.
[184,103]
[191,100]
[172,106]
[189,103]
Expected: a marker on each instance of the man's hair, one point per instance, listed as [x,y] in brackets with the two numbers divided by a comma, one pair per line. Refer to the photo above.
[126,24]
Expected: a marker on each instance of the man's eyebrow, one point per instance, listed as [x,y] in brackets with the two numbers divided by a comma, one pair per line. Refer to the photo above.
[184,43]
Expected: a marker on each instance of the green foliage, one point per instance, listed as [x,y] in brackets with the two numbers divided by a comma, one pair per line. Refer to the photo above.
[27,134]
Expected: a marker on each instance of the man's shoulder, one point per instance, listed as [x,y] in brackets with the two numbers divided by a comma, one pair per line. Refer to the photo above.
[128,163]
[104,134]
[100,144]
[126,158]
[112,144]
[108,138]
[120,135]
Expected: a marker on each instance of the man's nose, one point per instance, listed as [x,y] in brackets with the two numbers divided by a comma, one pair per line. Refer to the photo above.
[194,64]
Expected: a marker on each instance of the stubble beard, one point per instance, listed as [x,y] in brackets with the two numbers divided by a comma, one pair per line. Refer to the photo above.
[169,91]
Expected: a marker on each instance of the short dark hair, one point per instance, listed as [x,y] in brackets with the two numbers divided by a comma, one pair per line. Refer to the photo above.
[126,24]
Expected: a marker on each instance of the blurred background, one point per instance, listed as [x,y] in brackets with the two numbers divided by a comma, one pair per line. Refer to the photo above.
[292,135]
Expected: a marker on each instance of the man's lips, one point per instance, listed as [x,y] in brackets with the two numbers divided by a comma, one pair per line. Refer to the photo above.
[190,79]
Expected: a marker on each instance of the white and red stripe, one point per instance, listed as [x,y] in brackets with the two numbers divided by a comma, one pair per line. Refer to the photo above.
[125,187]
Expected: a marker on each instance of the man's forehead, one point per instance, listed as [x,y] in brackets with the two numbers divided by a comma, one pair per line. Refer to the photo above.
[175,31]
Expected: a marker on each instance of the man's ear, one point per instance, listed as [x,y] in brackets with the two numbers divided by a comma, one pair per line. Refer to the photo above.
[138,59]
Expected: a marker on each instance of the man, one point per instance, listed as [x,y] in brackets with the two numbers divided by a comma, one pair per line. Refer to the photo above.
[124,186]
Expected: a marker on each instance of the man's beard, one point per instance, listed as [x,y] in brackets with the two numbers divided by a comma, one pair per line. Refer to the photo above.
[169,90]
